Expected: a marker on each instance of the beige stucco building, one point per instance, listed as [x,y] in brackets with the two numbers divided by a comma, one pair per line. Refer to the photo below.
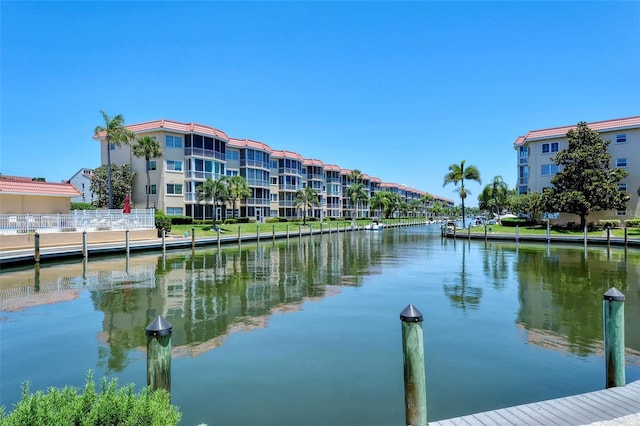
[536,168]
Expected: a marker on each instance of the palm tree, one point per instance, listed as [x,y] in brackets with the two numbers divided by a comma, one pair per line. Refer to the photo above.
[426,199]
[356,191]
[215,190]
[238,190]
[148,148]
[458,173]
[500,191]
[306,197]
[377,202]
[114,133]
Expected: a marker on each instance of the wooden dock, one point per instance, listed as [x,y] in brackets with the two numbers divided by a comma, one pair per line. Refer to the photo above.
[613,406]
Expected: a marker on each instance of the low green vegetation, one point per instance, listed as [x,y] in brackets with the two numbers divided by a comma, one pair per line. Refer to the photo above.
[542,230]
[110,406]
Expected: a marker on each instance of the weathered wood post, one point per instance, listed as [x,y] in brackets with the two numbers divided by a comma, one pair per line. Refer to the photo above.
[586,231]
[415,389]
[126,241]
[469,233]
[164,240]
[613,317]
[299,231]
[193,238]
[608,235]
[517,233]
[273,233]
[548,232]
[218,237]
[85,252]
[159,354]
[626,237]
[485,231]
[258,233]
[239,238]
[321,227]
[36,249]
[287,232]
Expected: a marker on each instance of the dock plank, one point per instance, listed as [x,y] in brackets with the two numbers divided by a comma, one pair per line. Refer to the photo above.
[603,405]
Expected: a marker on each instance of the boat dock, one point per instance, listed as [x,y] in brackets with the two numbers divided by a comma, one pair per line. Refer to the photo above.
[613,406]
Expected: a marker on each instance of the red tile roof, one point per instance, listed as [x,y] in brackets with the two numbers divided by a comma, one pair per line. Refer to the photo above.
[312,162]
[287,154]
[25,186]
[331,168]
[240,143]
[606,125]
[175,126]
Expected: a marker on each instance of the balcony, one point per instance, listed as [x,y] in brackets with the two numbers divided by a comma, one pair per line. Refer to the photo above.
[200,152]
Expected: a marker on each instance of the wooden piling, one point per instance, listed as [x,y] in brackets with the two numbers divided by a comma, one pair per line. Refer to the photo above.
[258,233]
[36,243]
[586,232]
[239,238]
[126,241]
[273,233]
[626,237]
[517,233]
[287,232]
[415,390]
[613,317]
[193,238]
[218,237]
[159,354]
[85,252]
[164,241]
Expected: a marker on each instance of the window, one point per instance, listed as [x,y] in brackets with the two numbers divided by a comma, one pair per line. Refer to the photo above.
[113,146]
[548,169]
[174,188]
[549,147]
[622,187]
[274,197]
[174,211]
[621,212]
[274,181]
[151,165]
[232,172]
[173,165]
[172,141]
[621,138]
[153,190]
[621,162]
[232,154]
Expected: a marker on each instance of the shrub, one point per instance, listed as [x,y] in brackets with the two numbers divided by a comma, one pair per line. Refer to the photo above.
[609,223]
[181,220]
[632,223]
[82,206]
[243,220]
[311,219]
[162,221]
[230,221]
[272,220]
[111,406]
[515,221]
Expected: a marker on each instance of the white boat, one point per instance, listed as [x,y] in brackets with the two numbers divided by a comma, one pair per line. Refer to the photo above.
[374,226]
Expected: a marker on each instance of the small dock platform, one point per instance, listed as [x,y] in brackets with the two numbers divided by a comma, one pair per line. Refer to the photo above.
[613,406]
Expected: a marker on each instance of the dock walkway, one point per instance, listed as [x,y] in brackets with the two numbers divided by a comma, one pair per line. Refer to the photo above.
[613,406]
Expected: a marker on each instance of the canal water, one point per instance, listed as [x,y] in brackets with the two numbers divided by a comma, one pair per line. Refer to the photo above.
[307,331]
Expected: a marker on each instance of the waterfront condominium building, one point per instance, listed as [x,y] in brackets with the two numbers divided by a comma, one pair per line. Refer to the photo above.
[536,149]
[193,153]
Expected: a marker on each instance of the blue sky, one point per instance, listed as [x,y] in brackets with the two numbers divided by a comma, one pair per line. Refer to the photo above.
[399,90]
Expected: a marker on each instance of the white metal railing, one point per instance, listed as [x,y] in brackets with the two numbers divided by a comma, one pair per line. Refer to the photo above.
[77,220]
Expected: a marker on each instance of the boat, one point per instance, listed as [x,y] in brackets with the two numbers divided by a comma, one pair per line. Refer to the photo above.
[374,226]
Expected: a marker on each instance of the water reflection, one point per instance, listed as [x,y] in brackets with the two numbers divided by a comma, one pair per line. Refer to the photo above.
[462,293]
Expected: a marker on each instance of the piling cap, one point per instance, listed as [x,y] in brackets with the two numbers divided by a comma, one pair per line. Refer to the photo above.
[613,294]
[159,327]
[411,314]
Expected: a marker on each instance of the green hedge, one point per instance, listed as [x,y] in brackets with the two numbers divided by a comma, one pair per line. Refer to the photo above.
[181,220]
[162,221]
[515,221]
[632,223]
[110,406]
[609,223]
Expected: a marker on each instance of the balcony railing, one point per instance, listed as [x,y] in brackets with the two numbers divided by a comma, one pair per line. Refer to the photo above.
[200,152]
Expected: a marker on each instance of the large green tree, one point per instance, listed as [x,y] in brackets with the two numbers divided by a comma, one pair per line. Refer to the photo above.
[214,190]
[586,182]
[238,190]
[458,173]
[122,182]
[112,132]
[528,204]
[148,148]
[427,200]
[306,198]
[494,196]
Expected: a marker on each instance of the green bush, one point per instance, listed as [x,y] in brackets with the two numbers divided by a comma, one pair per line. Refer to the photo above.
[82,206]
[181,220]
[515,221]
[272,220]
[609,223]
[243,220]
[230,221]
[111,406]
[632,223]
[162,221]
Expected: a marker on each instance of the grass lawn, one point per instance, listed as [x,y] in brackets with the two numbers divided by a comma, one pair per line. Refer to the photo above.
[542,230]
[266,228]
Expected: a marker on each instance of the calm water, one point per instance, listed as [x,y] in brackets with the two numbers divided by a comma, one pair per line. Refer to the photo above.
[308,331]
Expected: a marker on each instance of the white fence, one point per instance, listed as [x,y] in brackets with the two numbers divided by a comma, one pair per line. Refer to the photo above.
[77,220]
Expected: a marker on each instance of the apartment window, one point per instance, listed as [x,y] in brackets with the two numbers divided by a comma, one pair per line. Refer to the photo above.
[150,190]
[172,141]
[548,169]
[232,155]
[113,146]
[151,165]
[549,147]
[232,172]
[173,165]
[621,212]
[274,164]
[621,138]
[174,188]
[622,187]
[274,181]
[175,211]
[621,162]
[274,197]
